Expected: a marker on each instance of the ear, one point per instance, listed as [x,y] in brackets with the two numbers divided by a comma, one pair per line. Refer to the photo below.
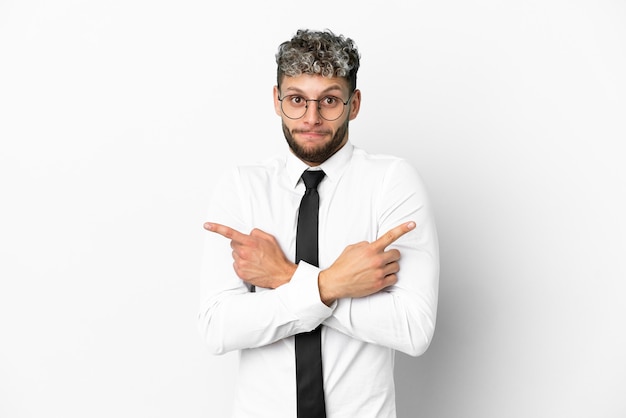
[355,104]
[277,102]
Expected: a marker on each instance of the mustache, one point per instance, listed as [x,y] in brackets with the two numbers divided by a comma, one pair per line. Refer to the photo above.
[314,131]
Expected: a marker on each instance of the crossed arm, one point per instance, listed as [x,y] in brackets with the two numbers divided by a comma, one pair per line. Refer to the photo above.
[362,269]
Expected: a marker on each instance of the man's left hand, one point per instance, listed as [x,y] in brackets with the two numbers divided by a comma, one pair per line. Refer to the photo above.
[258,259]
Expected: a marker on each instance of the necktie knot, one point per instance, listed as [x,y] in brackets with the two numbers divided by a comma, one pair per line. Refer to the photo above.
[312,178]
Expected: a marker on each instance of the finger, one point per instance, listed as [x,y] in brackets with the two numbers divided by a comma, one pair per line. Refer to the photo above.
[391,256]
[390,280]
[225,231]
[258,233]
[393,234]
[392,268]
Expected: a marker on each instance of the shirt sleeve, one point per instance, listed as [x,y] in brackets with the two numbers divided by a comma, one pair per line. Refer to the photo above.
[401,316]
[231,317]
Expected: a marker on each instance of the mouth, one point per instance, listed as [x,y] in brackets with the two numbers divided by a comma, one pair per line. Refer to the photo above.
[312,134]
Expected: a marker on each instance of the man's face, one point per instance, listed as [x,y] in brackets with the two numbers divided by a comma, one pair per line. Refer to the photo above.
[312,138]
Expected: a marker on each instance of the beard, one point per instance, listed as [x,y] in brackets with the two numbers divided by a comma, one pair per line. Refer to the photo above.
[320,154]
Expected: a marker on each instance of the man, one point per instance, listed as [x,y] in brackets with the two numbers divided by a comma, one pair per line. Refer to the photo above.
[375,290]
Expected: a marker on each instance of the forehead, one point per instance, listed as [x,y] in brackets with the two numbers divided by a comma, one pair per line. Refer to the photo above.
[314,84]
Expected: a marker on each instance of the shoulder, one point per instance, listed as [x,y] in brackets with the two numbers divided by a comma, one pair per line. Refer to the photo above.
[380,164]
[254,171]
[252,179]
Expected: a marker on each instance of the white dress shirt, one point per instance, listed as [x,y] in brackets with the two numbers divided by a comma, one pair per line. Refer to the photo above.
[361,197]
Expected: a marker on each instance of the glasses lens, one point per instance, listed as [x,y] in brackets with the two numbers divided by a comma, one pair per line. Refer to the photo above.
[294,107]
[331,108]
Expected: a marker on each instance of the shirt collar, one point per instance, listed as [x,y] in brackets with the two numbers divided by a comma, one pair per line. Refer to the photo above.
[333,167]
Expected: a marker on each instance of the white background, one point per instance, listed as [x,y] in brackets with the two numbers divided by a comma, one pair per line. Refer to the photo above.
[116,115]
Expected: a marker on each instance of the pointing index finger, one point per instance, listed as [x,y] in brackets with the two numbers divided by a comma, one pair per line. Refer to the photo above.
[393,234]
[225,231]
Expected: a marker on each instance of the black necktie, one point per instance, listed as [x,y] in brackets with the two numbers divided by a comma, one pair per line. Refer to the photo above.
[309,382]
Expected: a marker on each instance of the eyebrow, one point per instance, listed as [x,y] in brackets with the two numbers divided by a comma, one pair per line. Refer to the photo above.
[335,87]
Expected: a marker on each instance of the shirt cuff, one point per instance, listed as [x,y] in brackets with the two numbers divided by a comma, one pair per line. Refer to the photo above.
[302,297]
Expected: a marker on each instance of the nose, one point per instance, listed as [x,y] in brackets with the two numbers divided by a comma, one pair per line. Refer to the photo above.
[312,113]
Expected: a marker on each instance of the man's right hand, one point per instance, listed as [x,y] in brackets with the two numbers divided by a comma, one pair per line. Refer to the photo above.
[363,268]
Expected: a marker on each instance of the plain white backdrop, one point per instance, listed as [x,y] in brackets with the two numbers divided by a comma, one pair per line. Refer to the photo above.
[115,117]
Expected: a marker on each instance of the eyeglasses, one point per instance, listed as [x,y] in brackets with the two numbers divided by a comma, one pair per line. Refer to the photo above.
[330,108]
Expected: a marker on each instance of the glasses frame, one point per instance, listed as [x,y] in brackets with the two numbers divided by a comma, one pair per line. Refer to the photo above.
[306,106]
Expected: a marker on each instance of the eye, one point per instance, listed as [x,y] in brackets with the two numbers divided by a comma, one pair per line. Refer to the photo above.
[329,101]
[296,100]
